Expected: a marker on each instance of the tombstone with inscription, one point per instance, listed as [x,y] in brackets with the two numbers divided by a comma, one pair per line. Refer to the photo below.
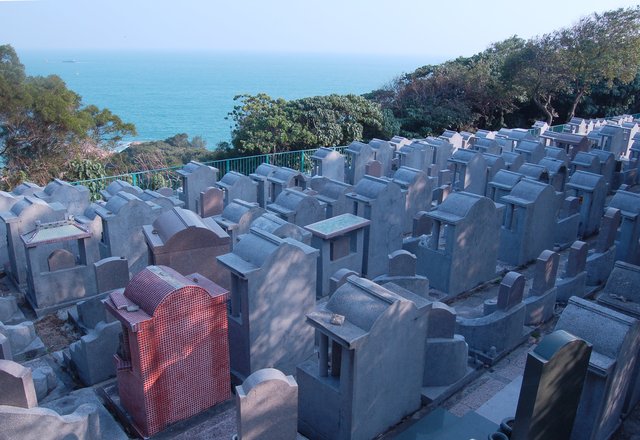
[611,365]
[122,219]
[238,186]
[187,243]
[273,224]
[196,177]
[417,189]
[267,406]
[551,388]
[340,241]
[402,273]
[273,286]
[261,176]
[173,362]
[469,172]
[591,190]
[22,218]
[529,220]
[357,154]
[75,198]
[350,381]
[297,207]
[627,244]
[284,178]
[236,218]
[462,250]
[382,202]
[329,163]
[333,194]
[56,276]
[541,299]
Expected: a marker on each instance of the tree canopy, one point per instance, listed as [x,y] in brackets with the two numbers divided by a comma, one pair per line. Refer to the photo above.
[265,125]
[43,125]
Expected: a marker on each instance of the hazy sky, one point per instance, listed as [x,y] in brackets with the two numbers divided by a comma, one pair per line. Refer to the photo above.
[440,28]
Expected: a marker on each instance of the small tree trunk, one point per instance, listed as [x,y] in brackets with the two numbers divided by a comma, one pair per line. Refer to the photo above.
[576,101]
[545,107]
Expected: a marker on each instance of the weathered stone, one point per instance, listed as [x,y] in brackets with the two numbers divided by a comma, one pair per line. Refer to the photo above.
[16,385]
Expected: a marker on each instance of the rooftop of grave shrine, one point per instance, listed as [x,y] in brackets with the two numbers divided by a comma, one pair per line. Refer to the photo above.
[472,285]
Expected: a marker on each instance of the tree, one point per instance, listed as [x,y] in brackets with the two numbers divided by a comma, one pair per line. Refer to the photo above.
[536,70]
[600,47]
[43,126]
[266,125]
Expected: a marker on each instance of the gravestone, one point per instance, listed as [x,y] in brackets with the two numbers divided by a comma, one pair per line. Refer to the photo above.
[187,243]
[165,202]
[558,172]
[56,276]
[446,353]
[600,260]
[573,280]
[92,356]
[174,359]
[567,222]
[117,186]
[541,298]
[273,224]
[211,202]
[16,385]
[529,222]
[238,186]
[123,217]
[24,343]
[273,285]
[551,388]
[261,176]
[501,329]
[267,406]
[350,381]
[469,172]
[284,178]
[402,273]
[512,161]
[532,151]
[5,348]
[585,161]
[373,168]
[333,194]
[417,189]
[383,152]
[611,365]
[502,184]
[454,264]
[195,178]
[328,163]
[297,207]
[236,218]
[627,243]
[340,241]
[591,190]
[75,198]
[357,154]
[382,202]
[622,291]
[495,164]
[23,218]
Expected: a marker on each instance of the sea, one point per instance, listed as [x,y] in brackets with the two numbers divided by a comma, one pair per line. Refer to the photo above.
[165,93]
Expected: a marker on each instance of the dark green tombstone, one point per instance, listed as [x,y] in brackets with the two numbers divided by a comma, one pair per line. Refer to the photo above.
[551,388]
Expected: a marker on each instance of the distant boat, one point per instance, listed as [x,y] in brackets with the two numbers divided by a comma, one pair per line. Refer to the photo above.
[69,61]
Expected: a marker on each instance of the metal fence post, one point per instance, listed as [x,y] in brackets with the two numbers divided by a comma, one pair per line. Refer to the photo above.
[302,161]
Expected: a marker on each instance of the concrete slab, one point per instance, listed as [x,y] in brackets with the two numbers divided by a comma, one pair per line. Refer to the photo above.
[503,404]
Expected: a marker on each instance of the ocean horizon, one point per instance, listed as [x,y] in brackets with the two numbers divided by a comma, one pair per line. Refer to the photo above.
[165,93]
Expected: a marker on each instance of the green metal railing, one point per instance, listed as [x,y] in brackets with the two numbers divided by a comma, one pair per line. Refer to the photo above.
[168,177]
